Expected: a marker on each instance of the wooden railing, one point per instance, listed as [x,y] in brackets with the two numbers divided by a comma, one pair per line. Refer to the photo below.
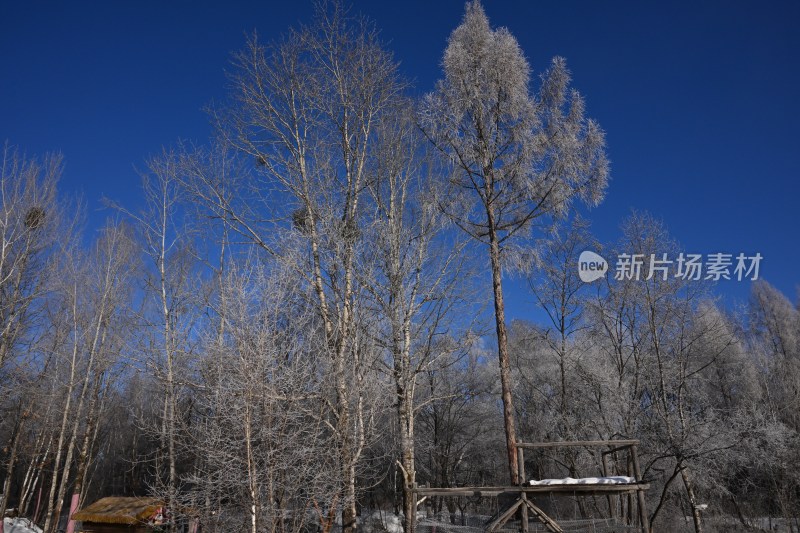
[523,505]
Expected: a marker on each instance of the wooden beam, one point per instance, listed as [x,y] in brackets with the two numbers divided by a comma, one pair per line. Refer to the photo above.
[524,497]
[577,443]
[527,505]
[504,516]
[617,449]
[495,491]
[643,516]
[548,522]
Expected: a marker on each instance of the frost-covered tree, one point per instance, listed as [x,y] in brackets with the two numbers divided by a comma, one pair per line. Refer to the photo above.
[560,292]
[519,158]
[30,225]
[660,341]
[306,111]
[262,449]
[413,276]
[775,339]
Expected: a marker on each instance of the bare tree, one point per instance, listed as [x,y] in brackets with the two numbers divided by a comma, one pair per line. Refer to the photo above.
[169,312]
[306,111]
[661,338]
[518,158]
[459,440]
[774,339]
[561,293]
[30,224]
[264,448]
[414,276]
[93,296]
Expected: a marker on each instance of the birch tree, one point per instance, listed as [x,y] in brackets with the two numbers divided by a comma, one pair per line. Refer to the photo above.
[519,159]
[169,310]
[107,286]
[30,224]
[415,276]
[264,451]
[93,299]
[305,110]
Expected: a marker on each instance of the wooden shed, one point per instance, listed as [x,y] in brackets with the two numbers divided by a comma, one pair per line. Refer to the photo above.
[116,514]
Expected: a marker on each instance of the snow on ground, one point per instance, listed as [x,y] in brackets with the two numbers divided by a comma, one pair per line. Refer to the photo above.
[376,522]
[20,525]
[382,521]
[610,480]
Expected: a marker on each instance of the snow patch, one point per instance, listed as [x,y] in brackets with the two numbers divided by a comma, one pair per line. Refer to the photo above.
[20,525]
[610,480]
[381,521]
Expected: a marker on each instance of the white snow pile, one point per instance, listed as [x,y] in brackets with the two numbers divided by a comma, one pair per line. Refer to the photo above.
[610,480]
[20,525]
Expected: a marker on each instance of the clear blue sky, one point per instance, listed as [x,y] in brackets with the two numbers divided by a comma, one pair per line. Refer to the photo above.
[699,100]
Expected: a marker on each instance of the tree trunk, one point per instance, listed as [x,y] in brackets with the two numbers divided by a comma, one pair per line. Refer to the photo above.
[687,482]
[349,505]
[97,345]
[252,480]
[62,432]
[406,416]
[9,472]
[83,455]
[34,472]
[169,352]
[502,348]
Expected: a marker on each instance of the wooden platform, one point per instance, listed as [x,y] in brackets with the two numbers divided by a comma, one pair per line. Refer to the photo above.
[496,491]
[522,506]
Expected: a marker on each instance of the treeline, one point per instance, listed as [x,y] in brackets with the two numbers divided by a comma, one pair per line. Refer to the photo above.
[292,324]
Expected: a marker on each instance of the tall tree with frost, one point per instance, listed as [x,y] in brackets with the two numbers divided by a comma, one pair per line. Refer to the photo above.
[307,109]
[519,158]
[31,226]
[166,241]
[411,274]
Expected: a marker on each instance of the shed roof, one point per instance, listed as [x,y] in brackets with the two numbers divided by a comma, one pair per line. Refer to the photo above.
[119,510]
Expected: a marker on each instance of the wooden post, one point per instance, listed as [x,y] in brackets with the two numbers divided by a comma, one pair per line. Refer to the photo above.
[645,520]
[612,501]
[629,518]
[523,496]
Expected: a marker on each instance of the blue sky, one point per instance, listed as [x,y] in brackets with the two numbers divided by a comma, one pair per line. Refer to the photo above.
[698,100]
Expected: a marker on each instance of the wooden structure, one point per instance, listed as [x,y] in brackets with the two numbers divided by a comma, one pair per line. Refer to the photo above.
[121,515]
[524,507]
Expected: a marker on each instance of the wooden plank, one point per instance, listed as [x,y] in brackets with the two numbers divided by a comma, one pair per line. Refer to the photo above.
[465,491]
[504,516]
[612,503]
[577,443]
[617,449]
[495,491]
[548,522]
[620,487]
